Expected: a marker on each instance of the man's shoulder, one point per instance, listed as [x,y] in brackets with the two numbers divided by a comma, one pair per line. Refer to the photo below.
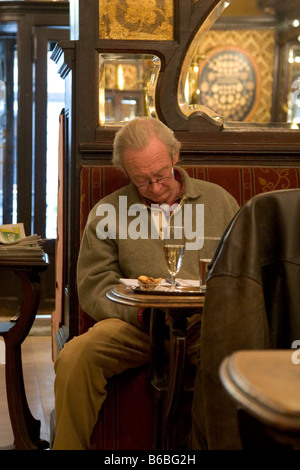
[212,193]
[198,184]
[205,187]
[208,186]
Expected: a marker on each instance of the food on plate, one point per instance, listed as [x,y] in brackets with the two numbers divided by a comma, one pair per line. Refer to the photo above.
[148,282]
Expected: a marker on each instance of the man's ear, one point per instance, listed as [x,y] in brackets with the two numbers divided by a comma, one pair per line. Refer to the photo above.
[175,159]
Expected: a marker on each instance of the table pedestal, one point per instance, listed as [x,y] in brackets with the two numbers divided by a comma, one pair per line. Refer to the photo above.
[168,384]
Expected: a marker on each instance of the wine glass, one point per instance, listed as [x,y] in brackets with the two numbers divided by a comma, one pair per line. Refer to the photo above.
[174,246]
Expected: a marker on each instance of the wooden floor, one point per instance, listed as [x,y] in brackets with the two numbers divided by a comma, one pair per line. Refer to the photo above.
[39,378]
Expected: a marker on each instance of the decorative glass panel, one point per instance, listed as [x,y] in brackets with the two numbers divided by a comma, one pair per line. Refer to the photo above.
[132,19]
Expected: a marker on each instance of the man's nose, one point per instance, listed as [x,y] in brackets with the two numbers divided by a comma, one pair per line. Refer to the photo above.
[155,186]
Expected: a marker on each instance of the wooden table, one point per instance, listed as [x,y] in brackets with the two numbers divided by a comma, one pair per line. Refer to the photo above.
[264,384]
[178,308]
[26,428]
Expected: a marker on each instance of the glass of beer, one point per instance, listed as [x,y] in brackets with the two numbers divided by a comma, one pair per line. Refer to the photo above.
[206,254]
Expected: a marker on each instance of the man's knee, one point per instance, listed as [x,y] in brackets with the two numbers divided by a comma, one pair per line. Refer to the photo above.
[92,347]
[74,353]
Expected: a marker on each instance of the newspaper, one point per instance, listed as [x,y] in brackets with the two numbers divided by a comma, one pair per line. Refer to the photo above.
[14,244]
[12,233]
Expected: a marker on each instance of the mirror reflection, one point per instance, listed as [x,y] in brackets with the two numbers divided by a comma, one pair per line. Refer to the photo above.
[293,96]
[244,64]
[127,87]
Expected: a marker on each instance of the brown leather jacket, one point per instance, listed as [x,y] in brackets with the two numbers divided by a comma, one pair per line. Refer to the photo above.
[252,302]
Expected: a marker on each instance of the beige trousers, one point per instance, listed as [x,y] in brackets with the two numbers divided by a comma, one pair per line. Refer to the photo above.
[82,369]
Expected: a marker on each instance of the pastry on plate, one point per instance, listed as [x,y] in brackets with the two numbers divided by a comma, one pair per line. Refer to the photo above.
[148,282]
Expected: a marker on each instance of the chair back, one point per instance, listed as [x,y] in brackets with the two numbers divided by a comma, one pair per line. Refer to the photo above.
[252,302]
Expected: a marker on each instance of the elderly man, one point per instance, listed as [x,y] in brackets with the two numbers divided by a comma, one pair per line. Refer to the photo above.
[119,244]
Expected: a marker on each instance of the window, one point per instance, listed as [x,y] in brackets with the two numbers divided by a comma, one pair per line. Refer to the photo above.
[8,121]
[55,103]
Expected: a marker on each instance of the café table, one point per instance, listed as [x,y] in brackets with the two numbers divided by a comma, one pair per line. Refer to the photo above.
[26,428]
[178,306]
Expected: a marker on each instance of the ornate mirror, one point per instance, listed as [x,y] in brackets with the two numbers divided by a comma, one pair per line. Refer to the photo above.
[126,87]
[244,65]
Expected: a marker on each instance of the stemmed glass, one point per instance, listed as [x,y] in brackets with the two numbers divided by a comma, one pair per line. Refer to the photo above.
[174,246]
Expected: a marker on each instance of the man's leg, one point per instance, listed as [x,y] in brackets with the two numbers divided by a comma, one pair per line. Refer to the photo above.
[82,369]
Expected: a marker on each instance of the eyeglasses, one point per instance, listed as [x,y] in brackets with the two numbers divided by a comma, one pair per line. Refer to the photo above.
[159,180]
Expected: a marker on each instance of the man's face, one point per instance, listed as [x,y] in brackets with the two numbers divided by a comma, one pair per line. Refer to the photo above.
[151,170]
